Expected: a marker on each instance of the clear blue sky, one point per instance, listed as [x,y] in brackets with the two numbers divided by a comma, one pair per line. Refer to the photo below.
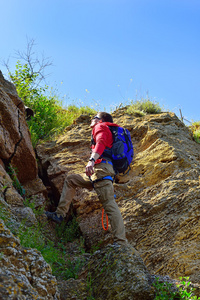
[107,52]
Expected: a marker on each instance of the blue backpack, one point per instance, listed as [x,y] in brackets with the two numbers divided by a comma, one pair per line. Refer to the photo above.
[122,149]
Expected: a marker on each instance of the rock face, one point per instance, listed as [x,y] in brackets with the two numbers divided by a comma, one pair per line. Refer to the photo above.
[24,274]
[161,203]
[16,149]
[15,143]
[159,198]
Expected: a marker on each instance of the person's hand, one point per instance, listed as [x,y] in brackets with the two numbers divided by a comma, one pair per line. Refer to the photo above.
[89,170]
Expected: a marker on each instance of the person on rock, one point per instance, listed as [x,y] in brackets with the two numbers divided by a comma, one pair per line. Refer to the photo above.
[98,175]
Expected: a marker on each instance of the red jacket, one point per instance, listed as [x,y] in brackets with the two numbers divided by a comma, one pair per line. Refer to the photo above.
[102,137]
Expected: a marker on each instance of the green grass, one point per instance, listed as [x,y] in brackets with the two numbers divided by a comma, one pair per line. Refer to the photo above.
[64,266]
[68,232]
[6,216]
[195,127]
[55,253]
[48,123]
[4,213]
[197,136]
[165,290]
[146,106]
[31,202]
[143,107]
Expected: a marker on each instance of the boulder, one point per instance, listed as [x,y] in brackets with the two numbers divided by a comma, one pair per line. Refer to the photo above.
[119,273]
[24,274]
[15,141]
[112,272]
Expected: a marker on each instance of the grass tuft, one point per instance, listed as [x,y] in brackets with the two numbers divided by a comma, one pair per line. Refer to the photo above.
[195,127]
[143,107]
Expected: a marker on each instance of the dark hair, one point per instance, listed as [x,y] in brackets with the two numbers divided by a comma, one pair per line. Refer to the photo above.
[105,117]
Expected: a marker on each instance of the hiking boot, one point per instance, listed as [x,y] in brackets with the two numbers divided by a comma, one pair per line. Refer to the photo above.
[115,244]
[54,217]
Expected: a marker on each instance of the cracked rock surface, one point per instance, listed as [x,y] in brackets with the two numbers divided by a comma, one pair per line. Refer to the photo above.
[24,274]
[15,142]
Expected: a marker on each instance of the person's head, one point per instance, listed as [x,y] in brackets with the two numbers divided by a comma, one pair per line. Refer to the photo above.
[101,117]
[105,117]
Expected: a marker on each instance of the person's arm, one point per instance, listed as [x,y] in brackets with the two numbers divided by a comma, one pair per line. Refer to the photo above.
[103,138]
[89,170]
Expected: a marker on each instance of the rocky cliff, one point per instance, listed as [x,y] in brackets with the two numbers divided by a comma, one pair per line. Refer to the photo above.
[24,274]
[158,198]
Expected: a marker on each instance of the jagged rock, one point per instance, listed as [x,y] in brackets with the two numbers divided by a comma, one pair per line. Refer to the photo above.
[15,142]
[16,148]
[73,289]
[23,272]
[12,197]
[25,215]
[7,190]
[119,273]
[160,200]
[67,155]
[110,273]
[10,90]
[36,188]
[5,180]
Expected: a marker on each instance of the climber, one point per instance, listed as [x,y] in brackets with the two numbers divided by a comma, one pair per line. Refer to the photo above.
[99,175]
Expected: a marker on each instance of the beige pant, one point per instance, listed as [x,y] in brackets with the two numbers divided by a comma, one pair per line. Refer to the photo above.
[105,192]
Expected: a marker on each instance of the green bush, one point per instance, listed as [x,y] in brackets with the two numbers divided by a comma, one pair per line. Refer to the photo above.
[195,127]
[197,136]
[143,107]
[165,290]
[50,118]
